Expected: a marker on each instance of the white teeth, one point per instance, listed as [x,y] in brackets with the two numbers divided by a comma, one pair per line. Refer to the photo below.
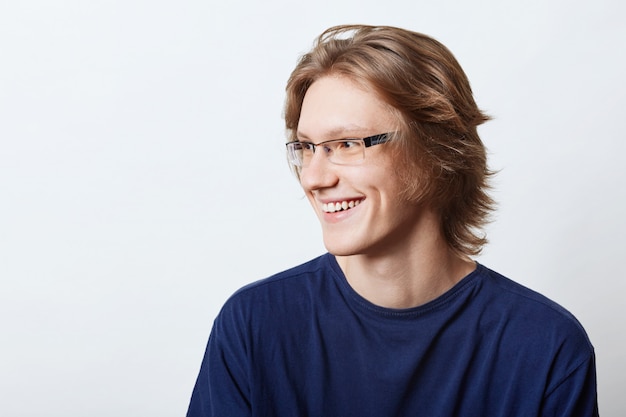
[339,206]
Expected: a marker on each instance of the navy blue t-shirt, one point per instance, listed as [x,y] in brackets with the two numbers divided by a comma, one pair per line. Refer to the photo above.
[303,343]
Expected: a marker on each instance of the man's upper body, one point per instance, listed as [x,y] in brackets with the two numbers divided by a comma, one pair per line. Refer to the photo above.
[304,343]
[397,319]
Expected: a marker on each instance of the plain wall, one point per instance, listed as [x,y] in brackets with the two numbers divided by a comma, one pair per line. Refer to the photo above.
[143,177]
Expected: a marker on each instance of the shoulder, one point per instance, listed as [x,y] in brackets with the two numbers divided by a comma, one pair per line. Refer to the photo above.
[295,275]
[284,292]
[531,321]
[528,303]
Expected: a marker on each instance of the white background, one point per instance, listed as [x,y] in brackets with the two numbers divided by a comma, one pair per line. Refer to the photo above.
[143,179]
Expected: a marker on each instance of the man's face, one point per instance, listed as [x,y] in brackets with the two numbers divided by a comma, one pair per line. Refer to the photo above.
[360,207]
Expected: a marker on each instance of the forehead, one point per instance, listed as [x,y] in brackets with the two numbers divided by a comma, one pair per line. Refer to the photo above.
[335,107]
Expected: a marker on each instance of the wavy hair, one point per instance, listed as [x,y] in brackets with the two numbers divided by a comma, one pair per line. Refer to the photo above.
[444,160]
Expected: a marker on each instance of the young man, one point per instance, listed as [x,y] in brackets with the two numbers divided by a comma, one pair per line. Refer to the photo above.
[396,320]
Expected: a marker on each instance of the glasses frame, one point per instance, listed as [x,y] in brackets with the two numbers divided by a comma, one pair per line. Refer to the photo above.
[367,142]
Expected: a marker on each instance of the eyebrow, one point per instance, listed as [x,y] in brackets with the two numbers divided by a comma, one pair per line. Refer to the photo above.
[341,132]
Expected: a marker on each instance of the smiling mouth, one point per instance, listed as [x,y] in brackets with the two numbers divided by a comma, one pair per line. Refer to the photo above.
[340,206]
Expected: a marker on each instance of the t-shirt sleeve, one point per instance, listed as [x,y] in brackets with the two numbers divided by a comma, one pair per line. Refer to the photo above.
[222,387]
[575,395]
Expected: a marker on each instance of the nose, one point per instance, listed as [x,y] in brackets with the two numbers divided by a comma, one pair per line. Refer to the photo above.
[319,173]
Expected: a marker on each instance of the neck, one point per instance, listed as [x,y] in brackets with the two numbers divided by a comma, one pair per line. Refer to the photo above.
[408,275]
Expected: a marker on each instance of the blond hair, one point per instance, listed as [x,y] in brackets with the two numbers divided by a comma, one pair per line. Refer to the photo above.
[437,144]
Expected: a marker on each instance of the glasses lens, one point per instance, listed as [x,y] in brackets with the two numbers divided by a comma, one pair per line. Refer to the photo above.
[346,151]
[295,153]
[342,151]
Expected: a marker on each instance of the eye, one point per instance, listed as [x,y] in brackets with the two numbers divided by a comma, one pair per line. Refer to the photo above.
[348,144]
[305,146]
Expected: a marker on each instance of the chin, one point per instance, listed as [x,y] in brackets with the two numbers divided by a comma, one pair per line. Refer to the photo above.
[339,252]
[341,248]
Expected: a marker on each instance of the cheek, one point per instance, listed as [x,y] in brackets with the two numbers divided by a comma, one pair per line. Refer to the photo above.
[311,199]
[397,179]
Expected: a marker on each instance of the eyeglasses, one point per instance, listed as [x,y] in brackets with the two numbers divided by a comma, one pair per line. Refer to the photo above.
[338,151]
